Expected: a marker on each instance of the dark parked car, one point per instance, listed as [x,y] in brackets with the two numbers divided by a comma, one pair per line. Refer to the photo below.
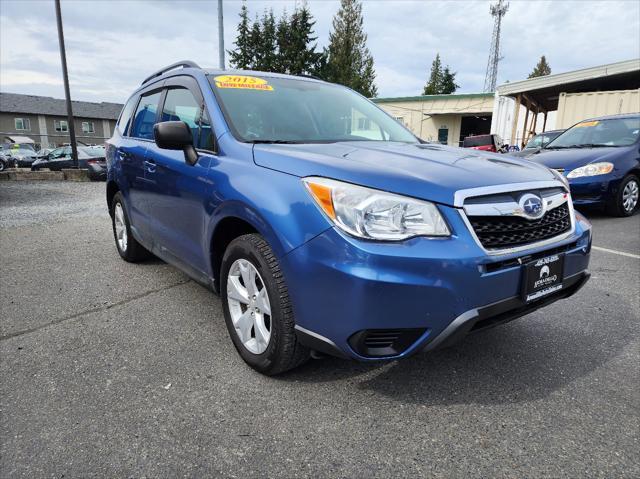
[6,161]
[90,157]
[601,159]
[19,155]
[484,143]
[23,157]
[538,142]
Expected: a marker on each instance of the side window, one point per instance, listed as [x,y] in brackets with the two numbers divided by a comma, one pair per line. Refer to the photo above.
[181,105]
[145,116]
[125,116]
[57,153]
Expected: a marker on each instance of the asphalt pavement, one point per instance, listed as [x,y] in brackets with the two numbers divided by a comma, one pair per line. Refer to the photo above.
[109,369]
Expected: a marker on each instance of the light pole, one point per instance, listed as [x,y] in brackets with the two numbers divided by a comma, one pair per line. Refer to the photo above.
[220,36]
[67,93]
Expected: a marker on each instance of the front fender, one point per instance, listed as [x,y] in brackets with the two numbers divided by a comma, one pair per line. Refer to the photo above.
[275,204]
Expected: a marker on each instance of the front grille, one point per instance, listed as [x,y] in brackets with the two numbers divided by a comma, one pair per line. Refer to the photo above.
[511,231]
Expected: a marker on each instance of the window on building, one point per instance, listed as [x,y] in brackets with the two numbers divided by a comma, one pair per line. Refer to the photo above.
[61,125]
[145,116]
[88,127]
[181,105]
[23,124]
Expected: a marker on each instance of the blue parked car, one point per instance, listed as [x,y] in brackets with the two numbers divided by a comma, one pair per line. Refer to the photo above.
[601,159]
[325,225]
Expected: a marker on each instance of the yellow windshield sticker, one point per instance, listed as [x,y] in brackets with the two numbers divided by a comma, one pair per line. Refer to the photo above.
[242,81]
[587,123]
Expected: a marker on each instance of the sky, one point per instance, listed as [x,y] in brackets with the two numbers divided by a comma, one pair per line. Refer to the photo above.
[113,45]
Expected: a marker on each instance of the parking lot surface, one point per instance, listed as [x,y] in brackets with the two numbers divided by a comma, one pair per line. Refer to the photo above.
[110,369]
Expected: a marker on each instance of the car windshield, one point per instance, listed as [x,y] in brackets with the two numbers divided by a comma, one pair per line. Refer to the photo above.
[596,133]
[286,110]
[23,152]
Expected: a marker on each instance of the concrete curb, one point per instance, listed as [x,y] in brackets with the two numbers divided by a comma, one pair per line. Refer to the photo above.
[16,174]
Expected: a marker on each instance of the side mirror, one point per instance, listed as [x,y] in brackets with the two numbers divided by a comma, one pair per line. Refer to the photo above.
[176,135]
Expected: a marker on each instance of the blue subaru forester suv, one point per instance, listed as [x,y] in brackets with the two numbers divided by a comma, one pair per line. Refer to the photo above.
[325,225]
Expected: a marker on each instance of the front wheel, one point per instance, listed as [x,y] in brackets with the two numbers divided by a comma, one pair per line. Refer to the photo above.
[257,308]
[625,201]
[128,248]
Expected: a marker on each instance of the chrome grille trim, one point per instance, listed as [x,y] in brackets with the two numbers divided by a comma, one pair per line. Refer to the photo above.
[499,209]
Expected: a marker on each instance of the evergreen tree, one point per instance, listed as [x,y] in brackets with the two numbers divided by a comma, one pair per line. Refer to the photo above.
[301,54]
[349,61]
[255,38]
[541,69]
[435,78]
[283,40]
[266,44]
[449,84]
[441,80]
[242,56]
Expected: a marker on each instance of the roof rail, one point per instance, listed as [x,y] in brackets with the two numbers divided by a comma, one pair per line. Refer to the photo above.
[183,64]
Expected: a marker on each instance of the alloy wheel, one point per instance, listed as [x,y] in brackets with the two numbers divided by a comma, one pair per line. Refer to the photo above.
[121,227]
[630,195]
[249,306]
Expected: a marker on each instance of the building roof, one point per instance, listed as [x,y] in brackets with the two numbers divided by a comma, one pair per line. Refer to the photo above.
[546,89]
[452,96]
[45,105]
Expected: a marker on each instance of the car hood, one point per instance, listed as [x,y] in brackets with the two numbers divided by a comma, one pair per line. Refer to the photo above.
[572,158]
[428,171]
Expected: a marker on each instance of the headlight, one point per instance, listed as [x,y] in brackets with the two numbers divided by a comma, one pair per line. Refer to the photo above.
[374,214]
[592,169]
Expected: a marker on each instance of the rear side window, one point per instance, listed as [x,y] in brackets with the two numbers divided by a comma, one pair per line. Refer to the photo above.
[125,116]
[482,140]
[181,105]
[145,116]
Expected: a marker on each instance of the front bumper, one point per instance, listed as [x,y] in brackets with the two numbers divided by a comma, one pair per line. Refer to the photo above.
[426,292]
[593,190]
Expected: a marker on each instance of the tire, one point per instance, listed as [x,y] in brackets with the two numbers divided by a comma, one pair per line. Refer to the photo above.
[129,249]
[281,351]
[626,200]
[2,166]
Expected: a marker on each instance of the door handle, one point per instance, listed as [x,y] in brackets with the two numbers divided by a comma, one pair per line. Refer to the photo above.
[123,155]
[150,166]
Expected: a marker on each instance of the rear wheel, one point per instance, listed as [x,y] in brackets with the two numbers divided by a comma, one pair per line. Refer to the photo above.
[257,308]
[626,200]
[128,248]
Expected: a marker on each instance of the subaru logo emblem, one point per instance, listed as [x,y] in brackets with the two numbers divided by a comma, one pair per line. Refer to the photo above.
[532,206]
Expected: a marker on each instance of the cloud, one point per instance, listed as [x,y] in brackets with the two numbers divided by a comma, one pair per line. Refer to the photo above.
[113,45]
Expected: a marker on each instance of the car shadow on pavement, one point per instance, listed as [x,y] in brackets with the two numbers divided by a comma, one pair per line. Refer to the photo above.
[522,361]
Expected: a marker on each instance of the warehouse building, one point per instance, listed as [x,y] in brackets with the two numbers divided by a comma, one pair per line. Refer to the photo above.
[446,119]
[42,121]
[524,108]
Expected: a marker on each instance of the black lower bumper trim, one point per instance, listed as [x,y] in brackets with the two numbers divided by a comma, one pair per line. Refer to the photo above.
[503,312]
[318,343]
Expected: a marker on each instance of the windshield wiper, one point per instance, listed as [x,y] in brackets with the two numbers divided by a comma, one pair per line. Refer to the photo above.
[588,145]
[584,145]
[276,142]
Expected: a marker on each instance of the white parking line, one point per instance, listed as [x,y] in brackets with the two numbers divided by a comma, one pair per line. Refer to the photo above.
[621,253]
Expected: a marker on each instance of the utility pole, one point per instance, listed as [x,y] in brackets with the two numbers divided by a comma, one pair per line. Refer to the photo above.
[220,35]
[67,93]
[497,11]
